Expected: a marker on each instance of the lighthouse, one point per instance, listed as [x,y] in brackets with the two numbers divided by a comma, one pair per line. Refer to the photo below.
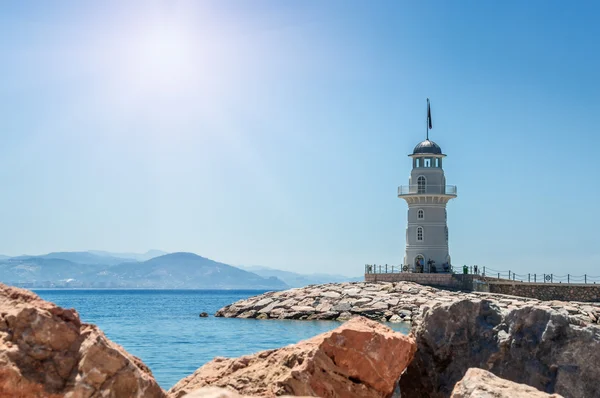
[427,196]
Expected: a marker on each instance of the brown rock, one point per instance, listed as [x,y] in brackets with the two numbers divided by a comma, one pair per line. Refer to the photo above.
[479,383]
[45,351]
[216,392]
[361,358]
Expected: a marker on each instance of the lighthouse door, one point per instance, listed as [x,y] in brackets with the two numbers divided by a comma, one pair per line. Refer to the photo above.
[419,263]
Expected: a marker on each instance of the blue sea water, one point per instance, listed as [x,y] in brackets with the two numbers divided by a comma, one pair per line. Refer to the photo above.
[163,327]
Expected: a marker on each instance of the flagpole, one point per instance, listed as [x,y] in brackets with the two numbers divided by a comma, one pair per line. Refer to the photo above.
[427,119]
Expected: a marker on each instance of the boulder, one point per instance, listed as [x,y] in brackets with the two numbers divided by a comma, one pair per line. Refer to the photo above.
[45,351]
[216,392]
[478,383]
[536,346]
[361,358]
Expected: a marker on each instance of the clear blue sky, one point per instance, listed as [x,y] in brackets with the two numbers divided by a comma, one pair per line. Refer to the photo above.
[276,133]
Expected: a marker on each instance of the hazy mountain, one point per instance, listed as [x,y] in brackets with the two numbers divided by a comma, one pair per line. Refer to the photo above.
[3,257]
[131,256]
[86,258]
[41,271]
[294,279]
[188,270]
[171,271]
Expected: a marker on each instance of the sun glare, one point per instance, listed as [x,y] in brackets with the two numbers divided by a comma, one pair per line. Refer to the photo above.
[161,59]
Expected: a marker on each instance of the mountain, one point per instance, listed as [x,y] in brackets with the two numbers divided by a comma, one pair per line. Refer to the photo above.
[130,256]
[294,279]
[170,271]
[3,257]
[45,272]
[188,270]
[86,258]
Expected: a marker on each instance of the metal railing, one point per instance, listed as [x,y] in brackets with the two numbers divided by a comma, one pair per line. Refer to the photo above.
[416,189]
[492,275]
[510,276]
[392,268]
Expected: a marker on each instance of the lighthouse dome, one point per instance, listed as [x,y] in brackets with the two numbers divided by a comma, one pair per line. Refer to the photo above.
[427,147]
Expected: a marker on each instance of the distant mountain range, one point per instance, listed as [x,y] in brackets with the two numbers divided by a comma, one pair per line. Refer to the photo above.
[294,279]
[151,270]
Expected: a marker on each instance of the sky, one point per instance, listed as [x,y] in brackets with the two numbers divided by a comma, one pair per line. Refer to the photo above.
[276,133]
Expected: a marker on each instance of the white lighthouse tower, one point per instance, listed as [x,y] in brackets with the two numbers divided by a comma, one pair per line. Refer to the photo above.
[427,195]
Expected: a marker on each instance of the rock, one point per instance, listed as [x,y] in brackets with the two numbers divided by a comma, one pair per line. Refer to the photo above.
[379,306]
[324,307]
[302,308]
[216,392]
[344,316]
[45,351]
[479,383]
[323,315]
[330,294]
[353,292]
[405,313]
[342,307]
[204,315]
[361,358]
[395,319]
[531,345]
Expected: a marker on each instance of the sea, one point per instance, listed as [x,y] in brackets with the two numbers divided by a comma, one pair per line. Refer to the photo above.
[163,327]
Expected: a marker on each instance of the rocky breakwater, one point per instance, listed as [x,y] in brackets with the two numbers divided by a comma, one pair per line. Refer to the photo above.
[391,302]
[536,345]
[46,351]
[359,359]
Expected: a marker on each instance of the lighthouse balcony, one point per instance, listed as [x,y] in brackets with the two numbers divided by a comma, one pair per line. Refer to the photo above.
[413,190]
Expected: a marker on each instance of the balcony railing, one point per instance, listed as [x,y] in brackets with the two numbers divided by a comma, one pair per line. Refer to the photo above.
[427,190]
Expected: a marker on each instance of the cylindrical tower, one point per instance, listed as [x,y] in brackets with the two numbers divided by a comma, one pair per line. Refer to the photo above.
[427,195]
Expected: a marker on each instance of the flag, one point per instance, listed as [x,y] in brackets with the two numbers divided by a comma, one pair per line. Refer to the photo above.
[428,114]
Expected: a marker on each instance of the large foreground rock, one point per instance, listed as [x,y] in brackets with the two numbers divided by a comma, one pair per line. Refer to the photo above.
[537,346]
[479,383]
[45,351]
[216,392]
[361,358]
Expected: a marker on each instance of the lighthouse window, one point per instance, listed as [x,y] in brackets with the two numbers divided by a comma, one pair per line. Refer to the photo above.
[420,233]
[420,214]
[421,182]
[427,162]
[437,162]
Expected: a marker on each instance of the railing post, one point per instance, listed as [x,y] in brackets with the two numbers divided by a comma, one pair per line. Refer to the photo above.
[513,276]
[386,269]
[392,268]
[551,278]
[584,278]
[380,269]
[534,278]
[508,274]
[528,277]
[544,278]
[498,275]
[568,278]
[483,270]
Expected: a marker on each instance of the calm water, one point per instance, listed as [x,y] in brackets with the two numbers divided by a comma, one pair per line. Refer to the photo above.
[162,327]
